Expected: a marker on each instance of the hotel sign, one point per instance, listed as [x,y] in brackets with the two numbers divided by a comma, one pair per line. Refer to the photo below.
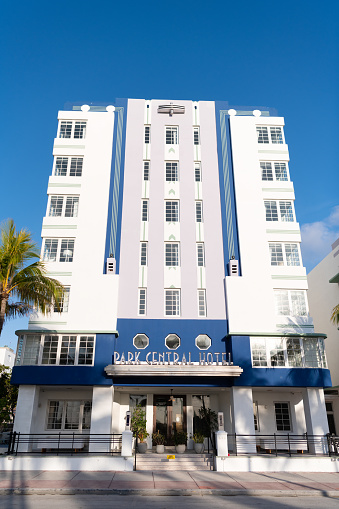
[172,358]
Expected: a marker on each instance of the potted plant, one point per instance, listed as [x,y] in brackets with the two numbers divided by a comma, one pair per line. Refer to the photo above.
[180,440]
[159,441]
[198,439]
[138,426]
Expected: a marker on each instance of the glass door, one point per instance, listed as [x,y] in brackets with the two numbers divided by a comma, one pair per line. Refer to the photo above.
[169,416]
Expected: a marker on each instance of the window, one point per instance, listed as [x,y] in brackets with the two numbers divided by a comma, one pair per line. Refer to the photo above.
[69,415]
[172,137]
[142,301]
[202,302]
[50,250]
[271,211]
[67,250]
[31,350]
[63,302]
[172,255]
[197,172]
[147,138]
[172,341]
[146,170]
[140,341]
[200,254]
[279,174]
[172,172]
[289,352]
[198,211]
[144,211]
[284,254]
[56,206]
[172,302]
[50,350]
[57,350]
[290,302]
[196,135]
[60,207]
[72,129]
[256,416]
[203,342]
[283,213]
[86,350]
[282,416]
[64,166]
[68,350]
[172,211]
[274,135]
[71,208]
[143,253]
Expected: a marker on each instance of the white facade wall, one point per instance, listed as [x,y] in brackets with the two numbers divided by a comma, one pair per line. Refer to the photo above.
[7,356]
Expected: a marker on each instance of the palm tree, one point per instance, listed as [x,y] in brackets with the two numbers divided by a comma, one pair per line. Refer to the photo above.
[335,315]
[23,287]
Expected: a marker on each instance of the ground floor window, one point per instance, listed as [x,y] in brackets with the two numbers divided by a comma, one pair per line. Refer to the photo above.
[282,416]
[69,415]
[200,404]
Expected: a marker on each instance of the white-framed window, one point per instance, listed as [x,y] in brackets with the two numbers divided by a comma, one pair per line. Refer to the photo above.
[57,350]
[146,170]
[143,253]
[72,129]
[142,301]
[63,206]
[63,303]
[144,210]
[50,250]
[172,135]
[288,352]
[202,302]
[196,135]
[283,416]
[147,134]
[171,254]
[68,166]
[69,415]
[172,211]
[172,302]
[200,254]
[198,212]
[66,250]
[197,172]
[271,170]
[283,253]
[270,134]
[290,302]
[172,174]
[279,211]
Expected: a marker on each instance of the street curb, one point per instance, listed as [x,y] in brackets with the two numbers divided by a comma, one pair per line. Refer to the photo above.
[168,493]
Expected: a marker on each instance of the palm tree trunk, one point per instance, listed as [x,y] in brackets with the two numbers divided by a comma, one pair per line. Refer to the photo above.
[3,304]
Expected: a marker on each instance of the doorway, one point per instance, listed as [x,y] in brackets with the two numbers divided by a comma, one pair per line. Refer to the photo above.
[169,415]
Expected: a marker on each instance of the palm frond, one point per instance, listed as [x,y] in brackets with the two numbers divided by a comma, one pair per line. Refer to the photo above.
[335,315]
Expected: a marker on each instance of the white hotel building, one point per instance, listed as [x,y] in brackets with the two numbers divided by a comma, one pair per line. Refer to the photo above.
[172,226]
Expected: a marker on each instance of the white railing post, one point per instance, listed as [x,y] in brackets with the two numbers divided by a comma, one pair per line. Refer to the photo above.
[126,444]
[222,443]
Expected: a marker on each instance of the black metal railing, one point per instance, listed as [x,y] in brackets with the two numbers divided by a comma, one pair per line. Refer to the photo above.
[64,443]
[283,444]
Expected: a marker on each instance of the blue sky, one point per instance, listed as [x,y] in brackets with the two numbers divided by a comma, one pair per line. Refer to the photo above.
[278,54]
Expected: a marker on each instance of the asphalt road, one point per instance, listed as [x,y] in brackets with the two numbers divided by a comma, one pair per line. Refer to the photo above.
[163,502]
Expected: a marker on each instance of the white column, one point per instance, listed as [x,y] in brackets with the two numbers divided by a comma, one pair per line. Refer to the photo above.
[26,409]
[101,420]
[242,419]
[126,444]
[316,418]
[149,420]
[189,417]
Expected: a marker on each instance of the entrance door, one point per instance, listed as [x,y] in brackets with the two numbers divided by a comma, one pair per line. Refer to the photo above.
[169,416]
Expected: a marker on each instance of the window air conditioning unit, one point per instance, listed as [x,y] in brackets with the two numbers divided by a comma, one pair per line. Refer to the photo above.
[233,267]
[111,266]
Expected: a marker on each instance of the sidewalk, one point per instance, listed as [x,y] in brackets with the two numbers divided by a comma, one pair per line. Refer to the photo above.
[173,482]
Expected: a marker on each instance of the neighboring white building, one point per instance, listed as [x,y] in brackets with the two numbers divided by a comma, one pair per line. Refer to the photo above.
[323,296]
[173,227]
[7,356]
